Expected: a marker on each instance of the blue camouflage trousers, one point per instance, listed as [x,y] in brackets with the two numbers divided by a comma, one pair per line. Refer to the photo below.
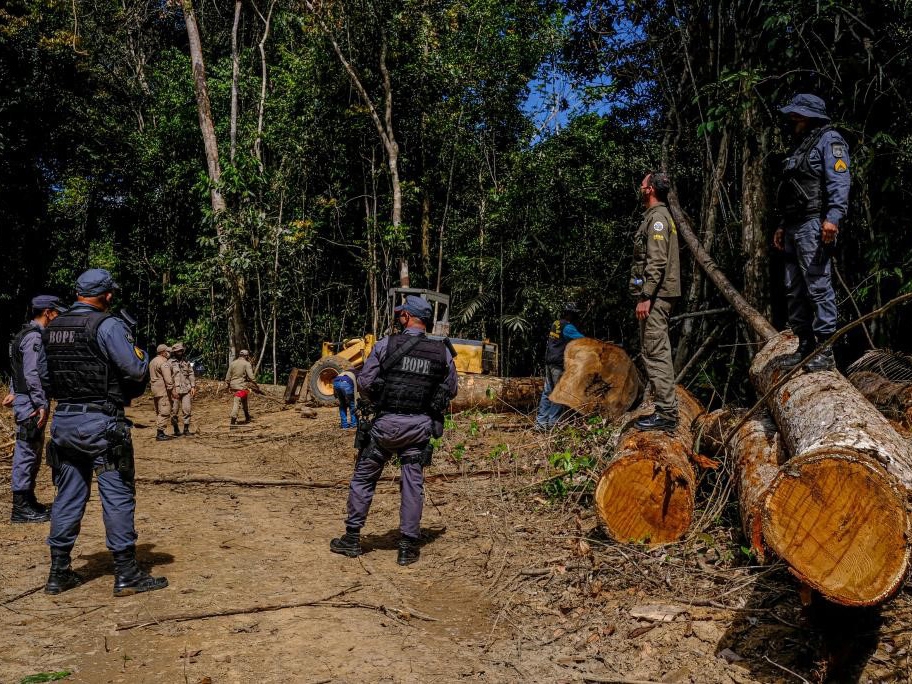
[411,487]
[73,480]
[809,282]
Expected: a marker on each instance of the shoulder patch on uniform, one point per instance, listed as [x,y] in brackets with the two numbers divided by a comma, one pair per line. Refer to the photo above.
[840,166]
[36,347]
[838,149]
[658,226]
[140,354]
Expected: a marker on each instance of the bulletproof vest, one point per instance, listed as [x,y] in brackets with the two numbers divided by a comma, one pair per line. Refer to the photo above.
[557,343]
[79,372]
[410,382]
[20,385]
[801,190]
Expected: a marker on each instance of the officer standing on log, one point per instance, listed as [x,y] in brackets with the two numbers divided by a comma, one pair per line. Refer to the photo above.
[411,380]
[31,408]
[95,370]
[655,281]
[813,198]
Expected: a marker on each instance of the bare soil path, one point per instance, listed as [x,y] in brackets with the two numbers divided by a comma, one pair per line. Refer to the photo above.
[511,586]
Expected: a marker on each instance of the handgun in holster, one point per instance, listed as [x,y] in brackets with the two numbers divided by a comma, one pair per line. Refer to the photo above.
[28,430]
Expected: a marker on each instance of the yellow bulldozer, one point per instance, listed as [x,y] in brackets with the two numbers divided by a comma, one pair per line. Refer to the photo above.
[471,357]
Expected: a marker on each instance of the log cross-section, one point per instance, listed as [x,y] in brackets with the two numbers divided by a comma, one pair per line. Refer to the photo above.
[599,377]
[646,493]
[835,513]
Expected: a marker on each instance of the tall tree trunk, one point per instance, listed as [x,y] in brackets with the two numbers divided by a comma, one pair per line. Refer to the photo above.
[754,206]
[258,141]
[235,76]
[237,327]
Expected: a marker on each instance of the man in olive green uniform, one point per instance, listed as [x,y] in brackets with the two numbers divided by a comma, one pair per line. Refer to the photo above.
[184,388]
[240,378]
[656,283]
[162,383]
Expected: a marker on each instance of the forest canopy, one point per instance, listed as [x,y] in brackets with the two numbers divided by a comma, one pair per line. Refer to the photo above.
[492,150]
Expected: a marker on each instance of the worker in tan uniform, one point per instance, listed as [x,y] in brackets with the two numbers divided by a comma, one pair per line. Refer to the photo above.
[162,383]
[240,378]
[184,388]
[655,282]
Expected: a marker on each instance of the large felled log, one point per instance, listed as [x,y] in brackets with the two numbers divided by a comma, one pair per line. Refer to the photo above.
[757,453]
[497,394]
[885,379]
[599,377]
[834,514]
[646,494]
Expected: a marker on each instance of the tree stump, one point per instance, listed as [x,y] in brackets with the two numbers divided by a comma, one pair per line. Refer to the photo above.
[835,513]
[646,494]
[599,378]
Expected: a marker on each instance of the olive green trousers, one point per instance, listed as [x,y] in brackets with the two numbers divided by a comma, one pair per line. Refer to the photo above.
[655,347]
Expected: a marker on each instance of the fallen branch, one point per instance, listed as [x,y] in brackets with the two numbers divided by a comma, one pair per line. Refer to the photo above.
[28,592]
[205,615]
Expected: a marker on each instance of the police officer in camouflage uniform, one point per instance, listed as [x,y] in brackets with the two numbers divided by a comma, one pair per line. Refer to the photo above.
[95,369]
[161,381]
[31,408]
[411,380]
[184,388]
[813,198]
[655,281]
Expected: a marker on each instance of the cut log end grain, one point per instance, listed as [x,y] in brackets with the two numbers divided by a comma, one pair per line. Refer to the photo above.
[599,378]
[841,525]
[647,496]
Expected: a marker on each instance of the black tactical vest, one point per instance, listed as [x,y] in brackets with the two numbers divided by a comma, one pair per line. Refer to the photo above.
[20,385]
[409,385]
[557,343]
[79,372]
[802,188]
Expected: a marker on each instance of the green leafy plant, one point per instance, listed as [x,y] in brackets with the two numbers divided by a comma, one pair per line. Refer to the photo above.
[46,677]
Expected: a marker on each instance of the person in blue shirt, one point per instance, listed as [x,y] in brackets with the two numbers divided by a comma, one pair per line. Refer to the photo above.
[31,408]
[812,199]
[95,369]
[344,387]
[563,330]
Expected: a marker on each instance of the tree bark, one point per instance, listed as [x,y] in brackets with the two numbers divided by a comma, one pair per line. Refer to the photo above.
[237,326]
[235,76]
[599,377]
[646,494]
[893,399]
[497,394]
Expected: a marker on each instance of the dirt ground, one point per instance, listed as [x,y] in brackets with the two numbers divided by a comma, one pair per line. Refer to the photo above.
[515,583]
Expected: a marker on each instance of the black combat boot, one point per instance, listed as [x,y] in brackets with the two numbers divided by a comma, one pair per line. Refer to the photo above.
[349,544]
[233,423]
[656,421]
[161,436]
[177,432]
[25,512]
[805,347]
[61,577]
[40,507]
[129,579]
[821,361]
[408,550]
[186,429]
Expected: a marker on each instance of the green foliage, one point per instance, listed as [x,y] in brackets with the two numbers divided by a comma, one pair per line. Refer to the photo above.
[46,677]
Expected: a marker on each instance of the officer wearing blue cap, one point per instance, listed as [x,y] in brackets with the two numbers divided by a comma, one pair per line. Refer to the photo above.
[813,198]
[95,370]
[30,404]
[411,380]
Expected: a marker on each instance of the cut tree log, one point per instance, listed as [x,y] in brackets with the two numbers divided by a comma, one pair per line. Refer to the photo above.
[599,377]
[646,494]
[757,453]
[497,394]
[835,513]
[884,377]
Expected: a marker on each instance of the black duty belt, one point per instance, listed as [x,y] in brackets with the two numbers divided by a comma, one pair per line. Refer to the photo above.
[90,408]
